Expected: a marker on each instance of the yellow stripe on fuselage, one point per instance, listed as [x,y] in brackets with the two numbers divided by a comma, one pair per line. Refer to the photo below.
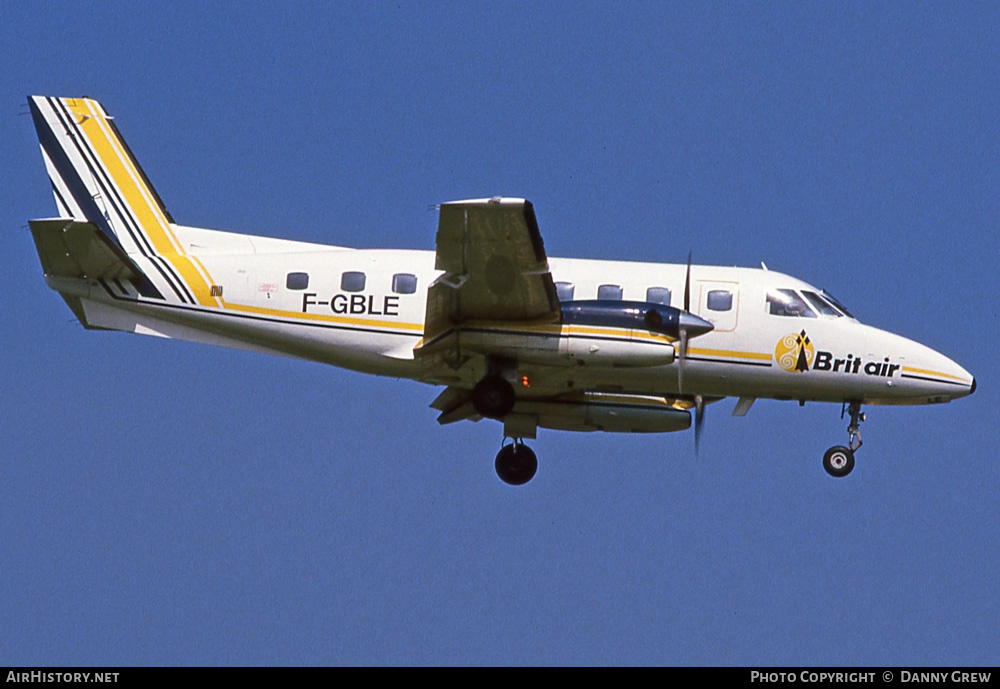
[729,353]
[910,369]
[296,315]
[557,329]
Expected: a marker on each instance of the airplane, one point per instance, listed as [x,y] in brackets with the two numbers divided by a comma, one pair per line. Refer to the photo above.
[512,335]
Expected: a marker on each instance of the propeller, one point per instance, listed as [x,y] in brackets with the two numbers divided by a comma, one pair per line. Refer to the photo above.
[691,326]
[687,285]
[699,419]
[684,331]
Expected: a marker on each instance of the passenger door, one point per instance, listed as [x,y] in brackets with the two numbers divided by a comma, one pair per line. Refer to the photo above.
[719,304]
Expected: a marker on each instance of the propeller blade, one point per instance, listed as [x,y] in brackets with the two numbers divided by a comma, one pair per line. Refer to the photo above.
[687,286]
[699,420]
[682,353]
[681,357]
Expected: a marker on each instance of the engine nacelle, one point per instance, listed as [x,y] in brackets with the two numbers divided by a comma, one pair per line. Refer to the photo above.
[605,412]
[631,315]
[594,333]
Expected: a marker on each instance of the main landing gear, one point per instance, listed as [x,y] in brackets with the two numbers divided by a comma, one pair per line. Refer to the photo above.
[516,463]
[493,397]
[839,460]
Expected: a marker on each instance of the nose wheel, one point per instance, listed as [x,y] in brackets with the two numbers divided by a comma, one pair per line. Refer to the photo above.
[516,463]
[839,460]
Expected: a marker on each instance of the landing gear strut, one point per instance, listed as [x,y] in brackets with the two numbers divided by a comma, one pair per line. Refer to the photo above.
[516,463]
[839,460]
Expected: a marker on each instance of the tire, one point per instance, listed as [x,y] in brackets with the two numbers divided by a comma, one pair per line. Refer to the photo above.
[838,461]
[516,464]
[493,397]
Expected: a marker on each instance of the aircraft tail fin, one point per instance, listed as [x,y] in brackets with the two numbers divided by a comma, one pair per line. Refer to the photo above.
[94,175]
[96,180]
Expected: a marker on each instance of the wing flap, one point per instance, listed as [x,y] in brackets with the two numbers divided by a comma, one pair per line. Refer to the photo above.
[455,404]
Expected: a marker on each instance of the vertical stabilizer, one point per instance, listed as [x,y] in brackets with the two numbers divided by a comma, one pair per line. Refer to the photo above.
[95,178]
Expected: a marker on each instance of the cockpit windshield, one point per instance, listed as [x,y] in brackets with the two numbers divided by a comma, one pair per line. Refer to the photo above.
[785,302]
[820,304]
[833,300]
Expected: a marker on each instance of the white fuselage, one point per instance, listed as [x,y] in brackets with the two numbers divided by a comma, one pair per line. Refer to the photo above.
[373,319]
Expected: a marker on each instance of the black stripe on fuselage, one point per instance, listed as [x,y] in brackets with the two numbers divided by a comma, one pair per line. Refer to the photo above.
[247,316]
[766,364]
[528,333]
[333,326]
[566,336]
[934,380]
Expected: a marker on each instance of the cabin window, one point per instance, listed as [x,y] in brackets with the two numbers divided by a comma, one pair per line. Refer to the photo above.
[785,302]
[658,295]
[297,280]
[564,290]
[720,300]
[404,283]
[610,292]
[352,281]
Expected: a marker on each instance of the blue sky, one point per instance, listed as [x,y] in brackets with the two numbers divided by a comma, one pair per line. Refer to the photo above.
[169,503]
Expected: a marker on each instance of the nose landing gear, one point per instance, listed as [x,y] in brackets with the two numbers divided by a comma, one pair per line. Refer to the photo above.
[839,460]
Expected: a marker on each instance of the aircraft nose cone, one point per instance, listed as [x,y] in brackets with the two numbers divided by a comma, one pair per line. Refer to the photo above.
[973,388]
[694,325]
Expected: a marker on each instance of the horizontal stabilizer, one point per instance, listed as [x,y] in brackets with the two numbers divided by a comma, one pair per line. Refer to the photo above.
[77,249]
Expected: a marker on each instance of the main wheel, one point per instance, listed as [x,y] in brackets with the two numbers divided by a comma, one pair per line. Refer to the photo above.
[493,397]
[516,464]
[838,461]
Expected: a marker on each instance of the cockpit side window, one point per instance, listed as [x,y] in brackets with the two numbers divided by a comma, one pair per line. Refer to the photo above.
[785,302]
[820,304]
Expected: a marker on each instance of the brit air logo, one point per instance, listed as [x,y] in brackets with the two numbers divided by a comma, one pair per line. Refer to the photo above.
[795,353]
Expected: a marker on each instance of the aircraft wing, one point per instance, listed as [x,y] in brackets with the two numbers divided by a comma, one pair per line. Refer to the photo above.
[495,269]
